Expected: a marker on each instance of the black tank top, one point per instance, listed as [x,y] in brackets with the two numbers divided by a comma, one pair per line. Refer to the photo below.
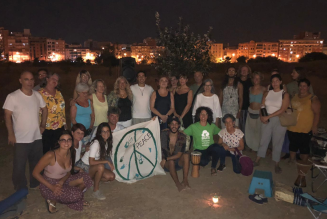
[162,104]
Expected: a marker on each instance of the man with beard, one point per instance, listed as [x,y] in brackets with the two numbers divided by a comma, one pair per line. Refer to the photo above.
[41,74]
[197,88]
[174,157]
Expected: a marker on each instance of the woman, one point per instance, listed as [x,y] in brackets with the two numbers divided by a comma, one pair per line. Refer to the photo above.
[293,87]
[307,107]
[94,160]
[56,121]
[122,97]
[78,131]
[209,99]
[230,139]
[83,77]
[203,131]
[253,122]
[244,74]
[59,183]
[173,83]
[99,101]
[231,95]
[82,111]
[162,102]
[274,72]
[183,97]
[276,102]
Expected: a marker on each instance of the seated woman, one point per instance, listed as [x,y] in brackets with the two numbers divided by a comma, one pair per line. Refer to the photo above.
[203,131]
[59,183]
[94,160]
[230,138]
[82,111]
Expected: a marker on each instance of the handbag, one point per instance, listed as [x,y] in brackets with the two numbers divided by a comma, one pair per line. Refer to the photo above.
[245,162]
[288,118]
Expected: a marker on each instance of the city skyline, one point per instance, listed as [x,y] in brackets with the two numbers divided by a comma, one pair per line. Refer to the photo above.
[132,21]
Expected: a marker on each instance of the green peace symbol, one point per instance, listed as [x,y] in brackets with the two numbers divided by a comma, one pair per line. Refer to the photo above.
[134,153]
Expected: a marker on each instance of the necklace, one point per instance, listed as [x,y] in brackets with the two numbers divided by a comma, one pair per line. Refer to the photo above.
[142,90]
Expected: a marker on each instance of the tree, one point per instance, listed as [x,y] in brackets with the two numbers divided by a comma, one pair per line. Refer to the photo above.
[88,62]
[228,59]
[314,56]
[79,61]
[36,62]
[269,59]
[183,51]
[145,60]
[241,59]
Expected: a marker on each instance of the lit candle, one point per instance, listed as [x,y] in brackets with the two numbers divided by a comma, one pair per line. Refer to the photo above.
[215,199]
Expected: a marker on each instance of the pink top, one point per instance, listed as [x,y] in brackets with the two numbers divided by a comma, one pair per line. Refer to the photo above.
[56,171]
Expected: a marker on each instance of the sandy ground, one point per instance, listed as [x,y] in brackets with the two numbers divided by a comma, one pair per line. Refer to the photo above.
[157,197]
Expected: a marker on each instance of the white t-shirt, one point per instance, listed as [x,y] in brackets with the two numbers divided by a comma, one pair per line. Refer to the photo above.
[93,152]
[118,128]
[232,140]
[78,151]
[211,102]
[25,115]
[141,101]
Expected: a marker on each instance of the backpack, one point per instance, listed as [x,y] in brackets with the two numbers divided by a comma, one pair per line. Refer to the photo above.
[246,163]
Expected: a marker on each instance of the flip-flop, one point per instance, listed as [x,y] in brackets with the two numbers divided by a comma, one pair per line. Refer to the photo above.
[86,203]
[256,198]
[48,204]
[263,198]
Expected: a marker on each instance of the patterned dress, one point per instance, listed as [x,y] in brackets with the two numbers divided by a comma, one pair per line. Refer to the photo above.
[230,101]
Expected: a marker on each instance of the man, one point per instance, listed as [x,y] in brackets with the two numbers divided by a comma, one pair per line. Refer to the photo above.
[113,117]
[174,157]
[42,73]
[197,88]
[141,99]
[22,109]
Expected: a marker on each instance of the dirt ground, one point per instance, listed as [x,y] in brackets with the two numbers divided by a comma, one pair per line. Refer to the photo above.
[157,197]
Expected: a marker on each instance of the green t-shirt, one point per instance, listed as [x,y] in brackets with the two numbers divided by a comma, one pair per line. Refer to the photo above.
[202,135]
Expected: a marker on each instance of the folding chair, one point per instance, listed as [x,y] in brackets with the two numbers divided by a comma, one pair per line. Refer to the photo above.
[323,171]
[314,205]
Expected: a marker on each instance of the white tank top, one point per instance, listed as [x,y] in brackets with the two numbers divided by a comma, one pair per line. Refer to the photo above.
[274,101]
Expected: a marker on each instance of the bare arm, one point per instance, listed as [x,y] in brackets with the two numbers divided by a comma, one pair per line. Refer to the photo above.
[44,118]
[10,127]
[172,104]
[240,146]
[92,162]
[315,106]
[176,156]
[73,111]
[189,103]
[92,116]
[221,97]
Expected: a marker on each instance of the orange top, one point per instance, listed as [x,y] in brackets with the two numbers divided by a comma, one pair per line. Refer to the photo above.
[304,114]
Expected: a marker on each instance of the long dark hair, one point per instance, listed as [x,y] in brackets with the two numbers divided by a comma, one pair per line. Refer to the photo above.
[225,81]
[102,143]
[209,112]
[71,149]
[275,76]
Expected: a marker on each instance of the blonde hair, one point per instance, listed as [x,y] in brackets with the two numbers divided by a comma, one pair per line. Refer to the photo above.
[128,89]
[240,70]
[257,73]
[95,84]
[78,78]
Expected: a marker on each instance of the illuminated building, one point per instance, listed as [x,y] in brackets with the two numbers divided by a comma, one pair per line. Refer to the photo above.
[265,49]
[246,49]
[217,52]
[38,48]
[306,42]
[18,46]
[74,51]
[147,50]
[230,52]
[55,50]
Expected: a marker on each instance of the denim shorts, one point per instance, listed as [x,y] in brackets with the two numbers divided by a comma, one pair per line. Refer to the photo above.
[83,166]
[107,165]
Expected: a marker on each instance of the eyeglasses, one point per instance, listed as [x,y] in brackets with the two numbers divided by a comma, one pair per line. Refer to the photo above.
[66,140]
[105,132]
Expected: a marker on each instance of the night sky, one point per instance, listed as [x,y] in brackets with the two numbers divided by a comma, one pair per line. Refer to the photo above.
[128,21]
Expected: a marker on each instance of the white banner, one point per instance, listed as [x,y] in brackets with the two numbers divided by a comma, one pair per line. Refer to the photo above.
[136,152]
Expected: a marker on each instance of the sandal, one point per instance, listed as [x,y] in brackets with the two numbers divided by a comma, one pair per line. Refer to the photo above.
[86,203]
[48,204]
[213,172]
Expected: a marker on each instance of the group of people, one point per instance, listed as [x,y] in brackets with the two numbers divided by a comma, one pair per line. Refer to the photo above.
[66,163]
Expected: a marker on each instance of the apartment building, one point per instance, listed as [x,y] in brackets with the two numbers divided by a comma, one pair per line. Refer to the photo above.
[18,46]
[246,49]
[217,52]
[3,43]
[265,49]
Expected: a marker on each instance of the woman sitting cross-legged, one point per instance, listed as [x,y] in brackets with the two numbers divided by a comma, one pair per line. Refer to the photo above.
[203,131]
[230,138]
[59,183]
[95,160]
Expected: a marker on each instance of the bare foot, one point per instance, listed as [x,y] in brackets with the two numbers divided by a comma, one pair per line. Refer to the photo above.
[180,187]
[186,185]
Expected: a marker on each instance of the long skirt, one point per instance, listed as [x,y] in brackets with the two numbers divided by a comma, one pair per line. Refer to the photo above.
[71,196]
[253,129]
